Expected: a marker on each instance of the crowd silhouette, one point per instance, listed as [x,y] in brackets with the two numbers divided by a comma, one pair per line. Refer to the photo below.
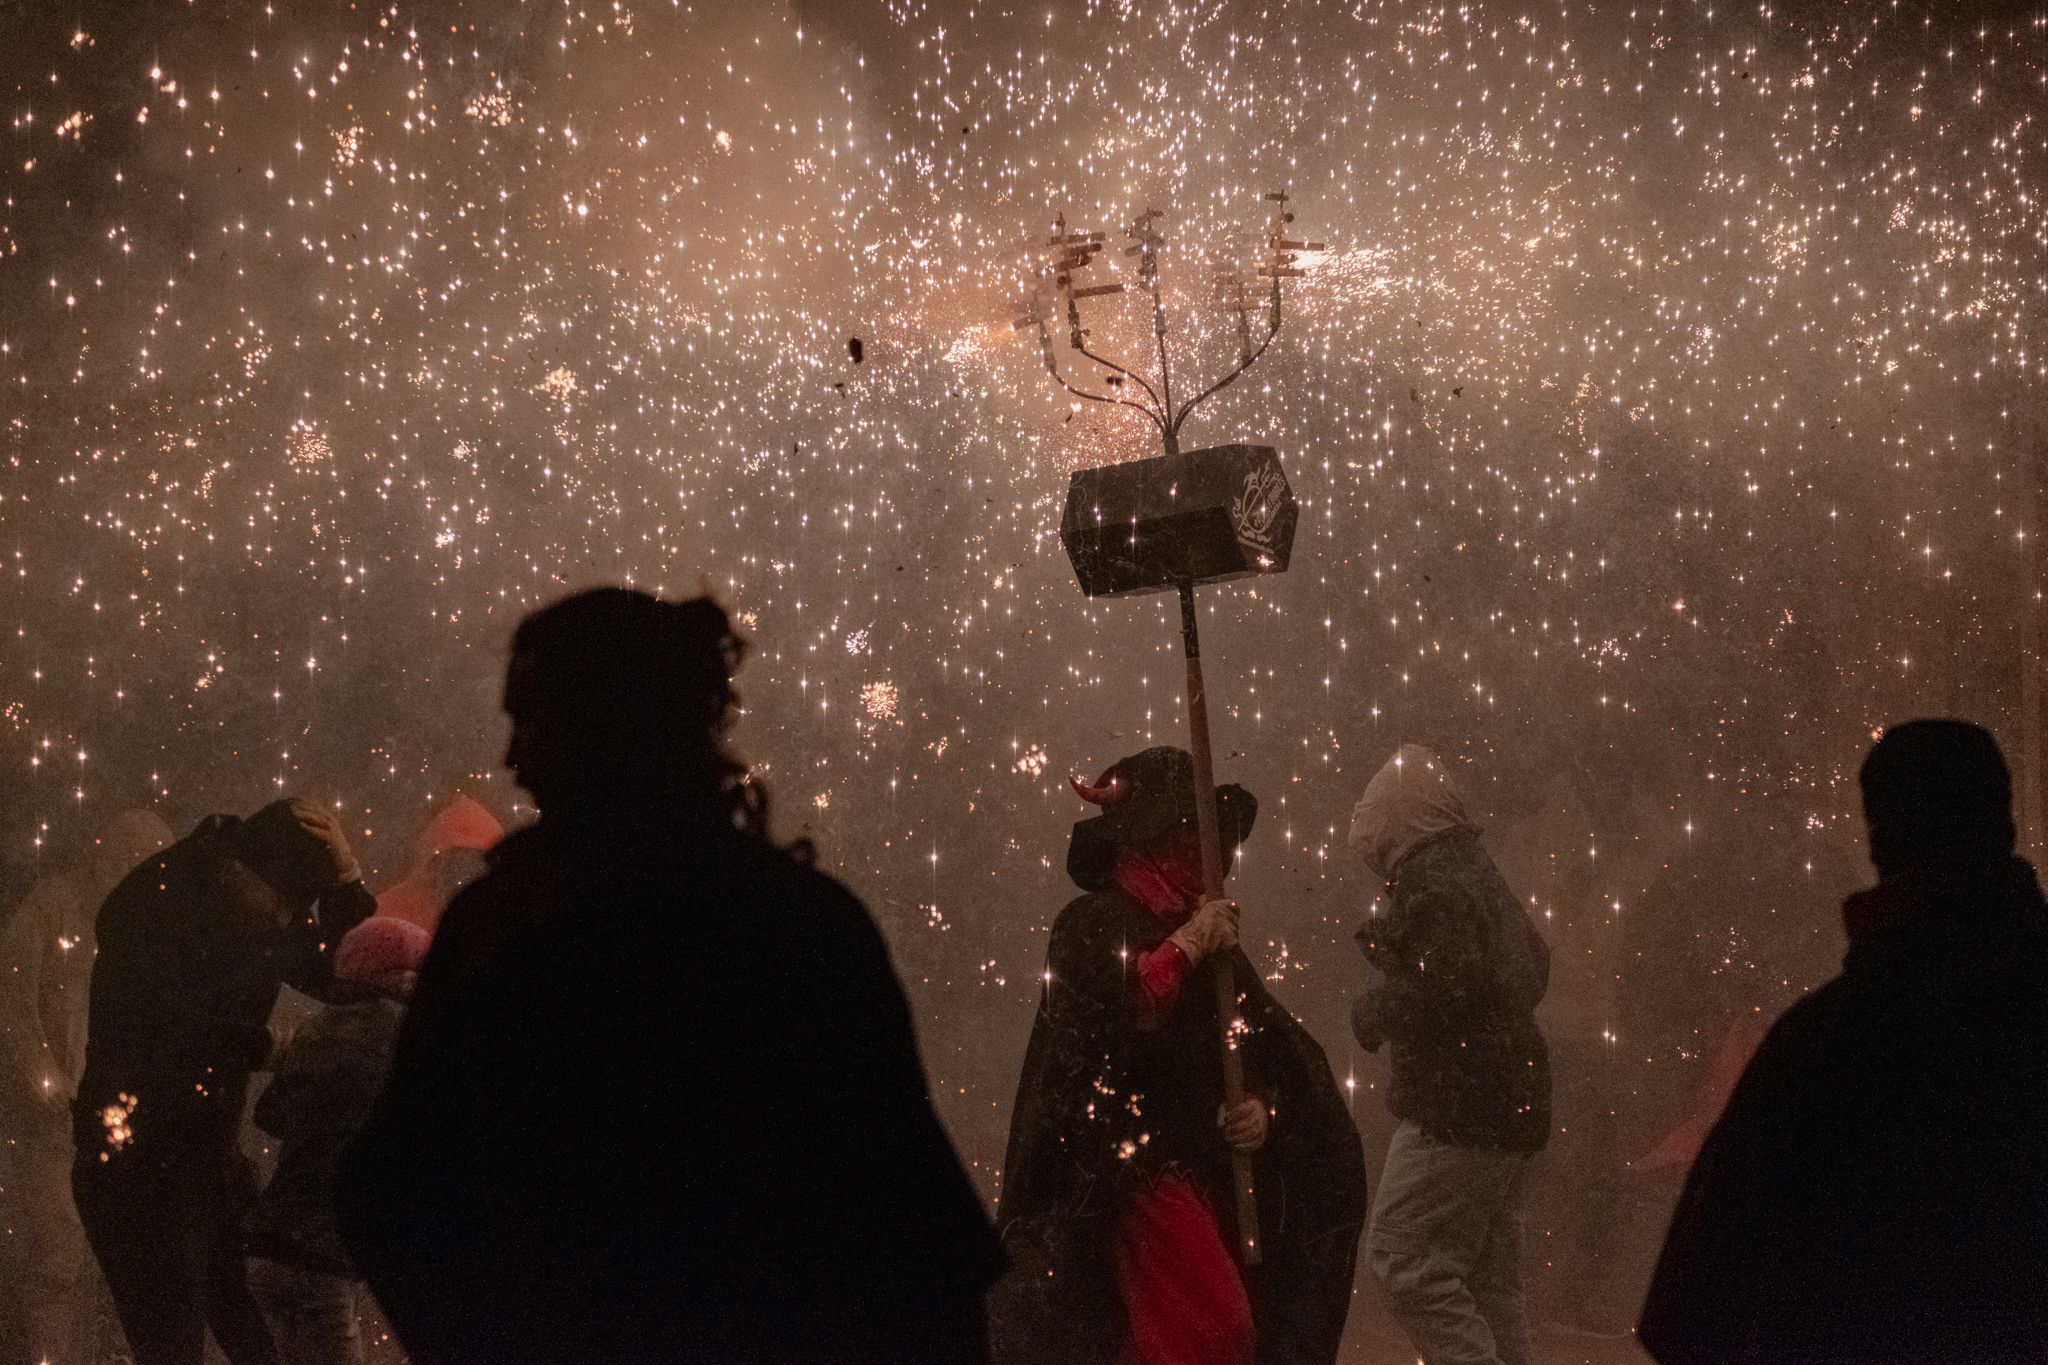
[638,1083]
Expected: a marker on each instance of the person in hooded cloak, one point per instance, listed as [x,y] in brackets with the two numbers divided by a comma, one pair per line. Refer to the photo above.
[447,855]
[1116,1206]
[1461,969]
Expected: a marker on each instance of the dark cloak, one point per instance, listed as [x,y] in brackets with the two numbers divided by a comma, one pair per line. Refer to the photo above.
[1877,1189]
[658,1099]
[1104,1108]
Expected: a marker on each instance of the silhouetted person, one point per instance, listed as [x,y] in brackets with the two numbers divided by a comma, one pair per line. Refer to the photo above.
[657,1097]
[326,1081]
[1877,1190]
[1118,1209]
[1461,969]
[193,947]
[49,1296]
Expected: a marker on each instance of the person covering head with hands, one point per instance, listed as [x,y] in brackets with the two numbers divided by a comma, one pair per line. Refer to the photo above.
[1460,969]
[1877,1187]
[1117,1183]
[194,945]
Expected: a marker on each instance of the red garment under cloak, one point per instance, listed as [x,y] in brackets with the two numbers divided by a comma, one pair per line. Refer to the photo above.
[1183,1296]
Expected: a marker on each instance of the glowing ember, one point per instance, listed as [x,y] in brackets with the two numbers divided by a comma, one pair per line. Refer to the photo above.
[308,449]
[114,1118]
[878,699]
[560,384]
[348,146]
[493,107]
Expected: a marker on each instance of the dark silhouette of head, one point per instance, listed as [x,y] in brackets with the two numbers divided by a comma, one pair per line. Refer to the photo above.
[620,703]
[1937,794]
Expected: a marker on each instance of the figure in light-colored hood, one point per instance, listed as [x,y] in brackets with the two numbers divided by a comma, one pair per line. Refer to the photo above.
[1459,970]
[1409,800]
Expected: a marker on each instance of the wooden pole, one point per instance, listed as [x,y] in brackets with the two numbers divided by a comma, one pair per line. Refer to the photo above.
[2034,605]
[1221,971]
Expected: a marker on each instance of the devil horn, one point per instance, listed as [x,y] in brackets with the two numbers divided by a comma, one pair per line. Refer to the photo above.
[1105,793]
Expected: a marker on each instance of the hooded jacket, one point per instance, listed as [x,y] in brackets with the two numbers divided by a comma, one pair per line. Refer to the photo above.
[447,855]
[1877,1189]
[1463,968]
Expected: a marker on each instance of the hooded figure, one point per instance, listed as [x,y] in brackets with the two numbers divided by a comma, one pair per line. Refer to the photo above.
[1877,1188]
[1117,1204]
[1462,967]
[1461,970]
[447,855]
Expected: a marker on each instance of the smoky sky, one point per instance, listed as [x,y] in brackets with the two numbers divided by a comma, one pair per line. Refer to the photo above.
[1662,409]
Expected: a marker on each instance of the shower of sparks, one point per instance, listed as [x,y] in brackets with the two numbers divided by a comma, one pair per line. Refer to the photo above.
[878,699]
[115,1120]
[348,145]
[491,106]
[559,384]
[309,449]
[1662,409]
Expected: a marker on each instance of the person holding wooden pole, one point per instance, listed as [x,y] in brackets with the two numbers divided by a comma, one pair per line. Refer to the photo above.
[1119,1208]
[1184,1185]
